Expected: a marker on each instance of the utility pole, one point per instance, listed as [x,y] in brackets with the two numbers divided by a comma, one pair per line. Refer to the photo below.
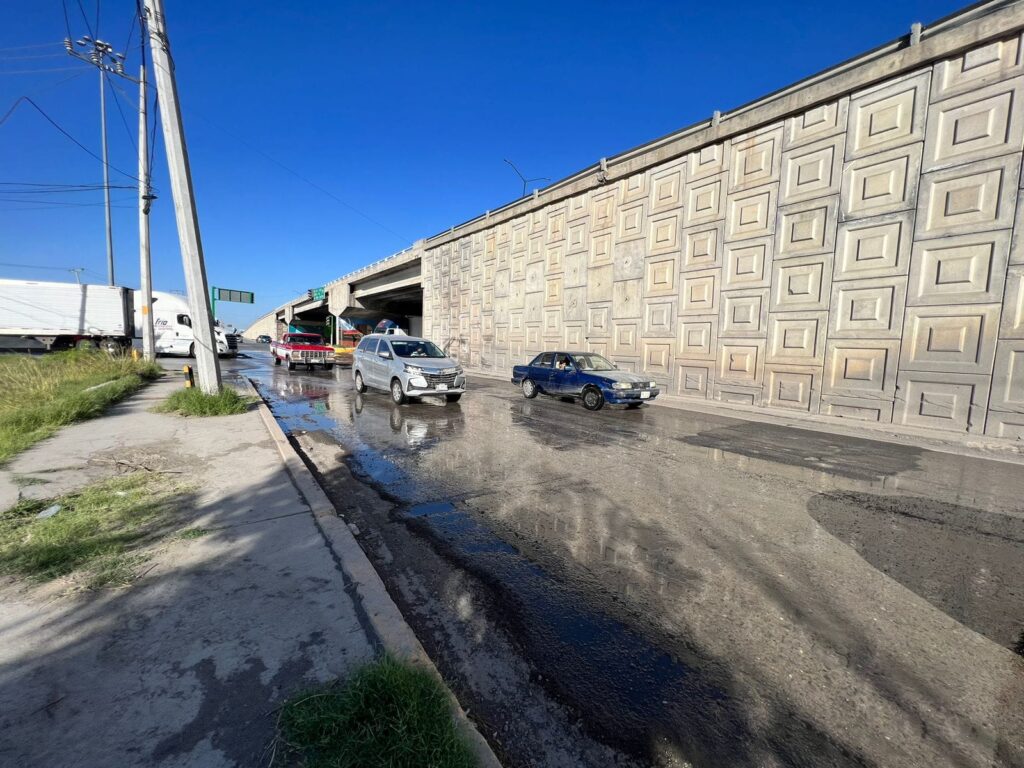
[146,198]
[102,56]
[185,213]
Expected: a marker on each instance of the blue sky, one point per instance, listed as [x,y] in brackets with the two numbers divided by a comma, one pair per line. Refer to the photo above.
[404,112]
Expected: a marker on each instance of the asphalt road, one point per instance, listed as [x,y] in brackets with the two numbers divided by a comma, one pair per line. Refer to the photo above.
[702,589]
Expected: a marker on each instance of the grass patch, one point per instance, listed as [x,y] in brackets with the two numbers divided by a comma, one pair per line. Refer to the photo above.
[192,533]
[38,395]
[389,715]
[195,402]
[23,481]
[96,534]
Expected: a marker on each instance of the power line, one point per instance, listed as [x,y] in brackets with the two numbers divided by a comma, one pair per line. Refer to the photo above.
[86,19]
[124,121]
[59,203]
[27,47]
[37,266]
[46,189]
[33,56]
[313,184]
[56,125]
[34,71]
[131,31]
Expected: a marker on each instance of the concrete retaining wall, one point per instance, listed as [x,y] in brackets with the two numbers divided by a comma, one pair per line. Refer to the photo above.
[858,253]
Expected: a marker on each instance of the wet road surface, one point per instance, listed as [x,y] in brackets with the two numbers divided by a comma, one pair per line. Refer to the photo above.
[704,589]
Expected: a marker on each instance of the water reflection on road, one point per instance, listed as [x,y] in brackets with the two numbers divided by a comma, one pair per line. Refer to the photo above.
[816,599]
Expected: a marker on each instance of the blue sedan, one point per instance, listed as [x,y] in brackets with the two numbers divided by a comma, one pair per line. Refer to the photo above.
[586,376]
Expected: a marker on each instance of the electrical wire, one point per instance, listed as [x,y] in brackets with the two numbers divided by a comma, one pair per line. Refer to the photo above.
[34,71]
[313,184]
[59,203]
[67,21]
[55,189]
[36,266]
[26,47]
[56,125]
[131,31]
[120,111]
[86,19]
[34,56]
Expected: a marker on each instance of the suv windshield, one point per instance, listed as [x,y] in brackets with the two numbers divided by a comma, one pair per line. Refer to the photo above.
[305,340]
[418,348]
[593,363]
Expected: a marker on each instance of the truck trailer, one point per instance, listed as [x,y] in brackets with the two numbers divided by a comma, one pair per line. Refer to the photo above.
[65,315]
[43,315]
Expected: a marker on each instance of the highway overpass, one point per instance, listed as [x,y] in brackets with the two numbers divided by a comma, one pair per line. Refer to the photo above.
[850,247]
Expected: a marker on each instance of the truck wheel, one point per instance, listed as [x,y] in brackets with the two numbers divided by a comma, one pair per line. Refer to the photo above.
[593,400]
[529,389]
[397,395]
[291,365]
[453,398]
[277,360]
[85,344]
[191,350]
[328,366]
[110,346]
[360,386]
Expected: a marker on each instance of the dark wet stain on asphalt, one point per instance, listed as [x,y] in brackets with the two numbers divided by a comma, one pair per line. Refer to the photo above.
[628,686]
[847,457]
[966,560]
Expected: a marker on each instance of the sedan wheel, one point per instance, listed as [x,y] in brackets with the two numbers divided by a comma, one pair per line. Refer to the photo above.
[593,400]
[397,395]
[529,389]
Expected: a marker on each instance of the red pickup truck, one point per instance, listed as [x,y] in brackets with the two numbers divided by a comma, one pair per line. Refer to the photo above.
[306,349]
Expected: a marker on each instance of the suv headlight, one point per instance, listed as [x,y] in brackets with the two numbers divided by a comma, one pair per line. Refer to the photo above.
[413,370]
[621,385]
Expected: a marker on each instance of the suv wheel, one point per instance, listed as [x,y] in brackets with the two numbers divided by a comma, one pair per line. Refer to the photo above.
[397,395]
[360,385]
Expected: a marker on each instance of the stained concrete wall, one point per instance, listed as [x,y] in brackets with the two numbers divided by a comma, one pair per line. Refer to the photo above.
[858,256]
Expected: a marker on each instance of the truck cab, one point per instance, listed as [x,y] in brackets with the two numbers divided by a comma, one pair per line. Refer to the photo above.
[172,327]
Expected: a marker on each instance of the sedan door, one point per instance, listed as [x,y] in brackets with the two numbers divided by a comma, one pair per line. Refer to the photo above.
[563,377]
[540,371]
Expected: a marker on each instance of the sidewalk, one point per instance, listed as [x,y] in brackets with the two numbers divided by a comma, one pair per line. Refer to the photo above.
[186,666]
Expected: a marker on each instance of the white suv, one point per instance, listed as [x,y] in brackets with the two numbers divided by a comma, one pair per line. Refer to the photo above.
[406,366]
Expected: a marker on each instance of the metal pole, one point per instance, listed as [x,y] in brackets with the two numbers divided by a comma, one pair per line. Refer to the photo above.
[106,177]
[184,201]
[145,273]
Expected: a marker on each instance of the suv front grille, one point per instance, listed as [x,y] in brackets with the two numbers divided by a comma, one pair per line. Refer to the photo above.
[433,379]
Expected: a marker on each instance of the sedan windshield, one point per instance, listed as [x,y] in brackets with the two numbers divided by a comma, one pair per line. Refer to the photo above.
[593,363]
[418,348]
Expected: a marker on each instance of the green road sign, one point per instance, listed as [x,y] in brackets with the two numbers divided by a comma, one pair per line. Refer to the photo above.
[239,297]
[316,294]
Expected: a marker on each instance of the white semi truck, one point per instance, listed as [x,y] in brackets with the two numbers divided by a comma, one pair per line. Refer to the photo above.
[44,315]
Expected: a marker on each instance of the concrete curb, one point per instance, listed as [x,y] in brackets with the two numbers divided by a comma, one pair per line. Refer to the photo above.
[387,621]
